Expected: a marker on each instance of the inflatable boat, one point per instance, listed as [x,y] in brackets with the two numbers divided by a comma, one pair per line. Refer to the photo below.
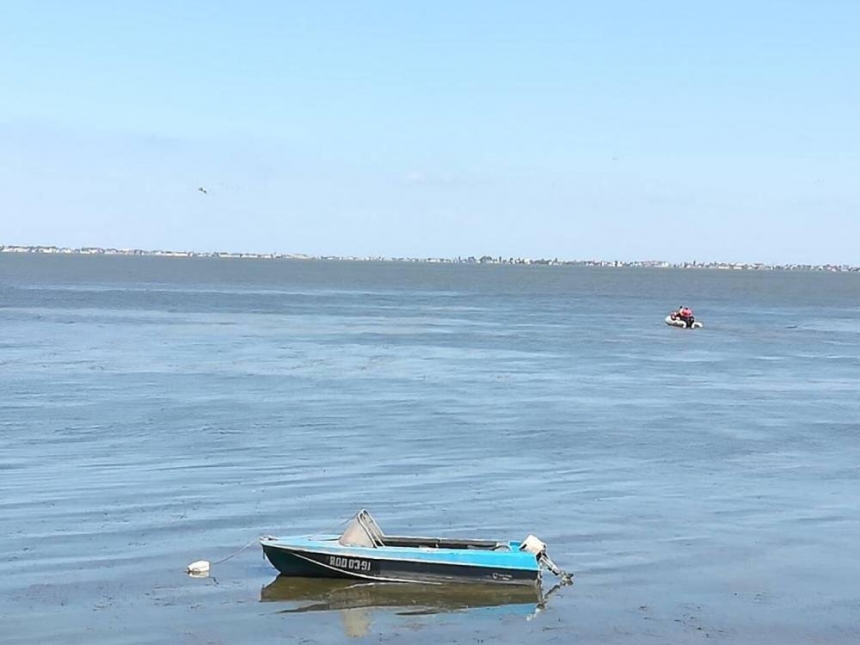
[677,322]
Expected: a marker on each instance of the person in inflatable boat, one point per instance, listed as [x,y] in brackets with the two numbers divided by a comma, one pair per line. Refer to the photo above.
[685,314]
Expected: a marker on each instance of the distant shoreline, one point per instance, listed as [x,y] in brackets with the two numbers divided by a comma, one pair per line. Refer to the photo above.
[486,259]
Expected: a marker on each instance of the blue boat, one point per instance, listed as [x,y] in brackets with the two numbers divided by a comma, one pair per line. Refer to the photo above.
[364,552]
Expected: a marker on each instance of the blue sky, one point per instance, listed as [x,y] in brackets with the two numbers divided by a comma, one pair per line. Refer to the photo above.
[615,130]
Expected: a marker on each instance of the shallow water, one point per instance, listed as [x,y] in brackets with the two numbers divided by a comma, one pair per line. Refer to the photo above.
[702,485]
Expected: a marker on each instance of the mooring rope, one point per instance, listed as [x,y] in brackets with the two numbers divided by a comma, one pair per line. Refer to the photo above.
[237,551]
[200,568]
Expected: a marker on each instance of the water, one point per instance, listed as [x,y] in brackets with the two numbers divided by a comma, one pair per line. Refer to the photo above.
[702,485]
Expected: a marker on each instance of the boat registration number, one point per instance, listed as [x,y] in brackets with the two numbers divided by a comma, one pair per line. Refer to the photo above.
[350,564]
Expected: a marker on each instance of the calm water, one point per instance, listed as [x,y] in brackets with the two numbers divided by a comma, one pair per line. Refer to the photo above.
[704,486]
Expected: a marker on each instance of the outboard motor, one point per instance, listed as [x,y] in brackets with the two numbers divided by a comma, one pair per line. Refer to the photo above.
[538,548]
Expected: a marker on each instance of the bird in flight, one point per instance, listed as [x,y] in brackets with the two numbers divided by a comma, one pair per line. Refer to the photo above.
[203,190]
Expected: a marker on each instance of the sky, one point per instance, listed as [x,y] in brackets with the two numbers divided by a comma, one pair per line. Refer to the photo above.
[629,130]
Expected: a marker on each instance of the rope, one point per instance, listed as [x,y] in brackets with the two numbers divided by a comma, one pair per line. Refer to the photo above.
[237,552]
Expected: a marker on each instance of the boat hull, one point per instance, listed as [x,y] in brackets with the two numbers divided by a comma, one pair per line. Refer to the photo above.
[675,322]
[326,559]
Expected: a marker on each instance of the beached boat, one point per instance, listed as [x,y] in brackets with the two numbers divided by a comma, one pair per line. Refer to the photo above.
[364,552]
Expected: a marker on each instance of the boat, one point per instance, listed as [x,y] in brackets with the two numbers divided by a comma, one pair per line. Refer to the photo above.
[677,322]
[364,552]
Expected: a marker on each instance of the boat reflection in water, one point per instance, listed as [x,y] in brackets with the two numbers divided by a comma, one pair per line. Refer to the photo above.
[357,600]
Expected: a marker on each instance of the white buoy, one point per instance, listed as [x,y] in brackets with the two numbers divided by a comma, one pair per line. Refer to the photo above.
[198,568]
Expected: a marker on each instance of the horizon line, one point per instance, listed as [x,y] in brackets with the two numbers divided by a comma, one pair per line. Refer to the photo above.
[39,249]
